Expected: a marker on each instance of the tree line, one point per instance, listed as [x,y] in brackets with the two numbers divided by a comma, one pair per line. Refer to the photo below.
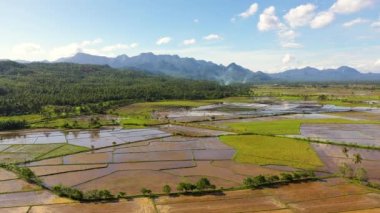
[27,88]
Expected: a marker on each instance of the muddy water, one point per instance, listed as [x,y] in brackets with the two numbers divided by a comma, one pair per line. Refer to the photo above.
[362,134]
[88,138]
[333,157]
[231,110]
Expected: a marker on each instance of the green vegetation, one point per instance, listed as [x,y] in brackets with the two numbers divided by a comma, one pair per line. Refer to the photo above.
[13,124]
[63,89]
[76,194]
[286,126]
[22,172]
[166,189]
[351,95]
[266,150]
[261,180]
[141,114]
[62,150]
[201,185]
[146,192]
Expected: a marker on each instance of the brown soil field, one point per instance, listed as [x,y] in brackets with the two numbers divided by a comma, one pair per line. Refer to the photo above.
[244,168]
[204,168]
[88,158]
[16,186]
[75,178]
[6,175]
[338,204]
[159,165]
[141,205]
[374,210]
[48,170]
[23,209]
[153,156]
[131,182]
[213,154]
[334,195]
[314,190]
[30,198]
[234,201]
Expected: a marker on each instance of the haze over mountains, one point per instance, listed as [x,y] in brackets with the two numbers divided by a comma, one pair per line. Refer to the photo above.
[191,68]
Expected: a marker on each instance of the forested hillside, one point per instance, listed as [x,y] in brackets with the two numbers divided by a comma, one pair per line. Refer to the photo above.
[28,88]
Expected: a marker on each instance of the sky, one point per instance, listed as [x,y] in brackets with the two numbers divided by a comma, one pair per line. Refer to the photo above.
[265,35]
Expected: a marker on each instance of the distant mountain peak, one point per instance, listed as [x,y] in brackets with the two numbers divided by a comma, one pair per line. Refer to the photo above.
[174,65]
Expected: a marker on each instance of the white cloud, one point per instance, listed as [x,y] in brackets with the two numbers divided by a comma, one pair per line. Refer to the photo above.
[376,24]
[134,45]
[287,59]
[377,64]
[250,11]
[163,40]
[322,19]
[27,48]
[26,51]
[189,41]
[355,22]
[73,48]
[350,6]
[287,38]
[291,45]
[300,16]
[212,37]
[118,47]
[268,20]
[196,20]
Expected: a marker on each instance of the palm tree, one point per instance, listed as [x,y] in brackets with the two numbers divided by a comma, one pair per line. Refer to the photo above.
[345,151]
[357,158]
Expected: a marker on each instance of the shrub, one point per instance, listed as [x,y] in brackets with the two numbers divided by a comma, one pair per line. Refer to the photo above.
[345,170]
[286,177]
[272,178]
[13,124]
[64,191]
[146,191]
[121,195]
[98,195]
[185,187]
[361,174]
[203,184]
[167,189]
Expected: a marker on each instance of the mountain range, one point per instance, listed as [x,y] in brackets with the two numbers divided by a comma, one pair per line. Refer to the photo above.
[190,68]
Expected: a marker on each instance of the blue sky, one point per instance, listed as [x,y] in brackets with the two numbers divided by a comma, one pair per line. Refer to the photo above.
[267,35]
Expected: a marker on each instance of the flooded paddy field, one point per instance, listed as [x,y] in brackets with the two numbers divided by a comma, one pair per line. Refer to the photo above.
[127,160]
[246,110]
[333,158]
[91,138]
[361,134]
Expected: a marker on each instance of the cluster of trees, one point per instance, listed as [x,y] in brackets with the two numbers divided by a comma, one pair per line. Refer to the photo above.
[27,88]
[345,170]
[22,172]
[261,180]
[13,124]
[93,195]
[201,185]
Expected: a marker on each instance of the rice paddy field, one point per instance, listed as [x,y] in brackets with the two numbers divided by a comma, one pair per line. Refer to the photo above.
[225,141]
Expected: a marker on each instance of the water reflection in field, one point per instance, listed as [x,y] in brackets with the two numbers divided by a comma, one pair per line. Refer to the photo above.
[88,138]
